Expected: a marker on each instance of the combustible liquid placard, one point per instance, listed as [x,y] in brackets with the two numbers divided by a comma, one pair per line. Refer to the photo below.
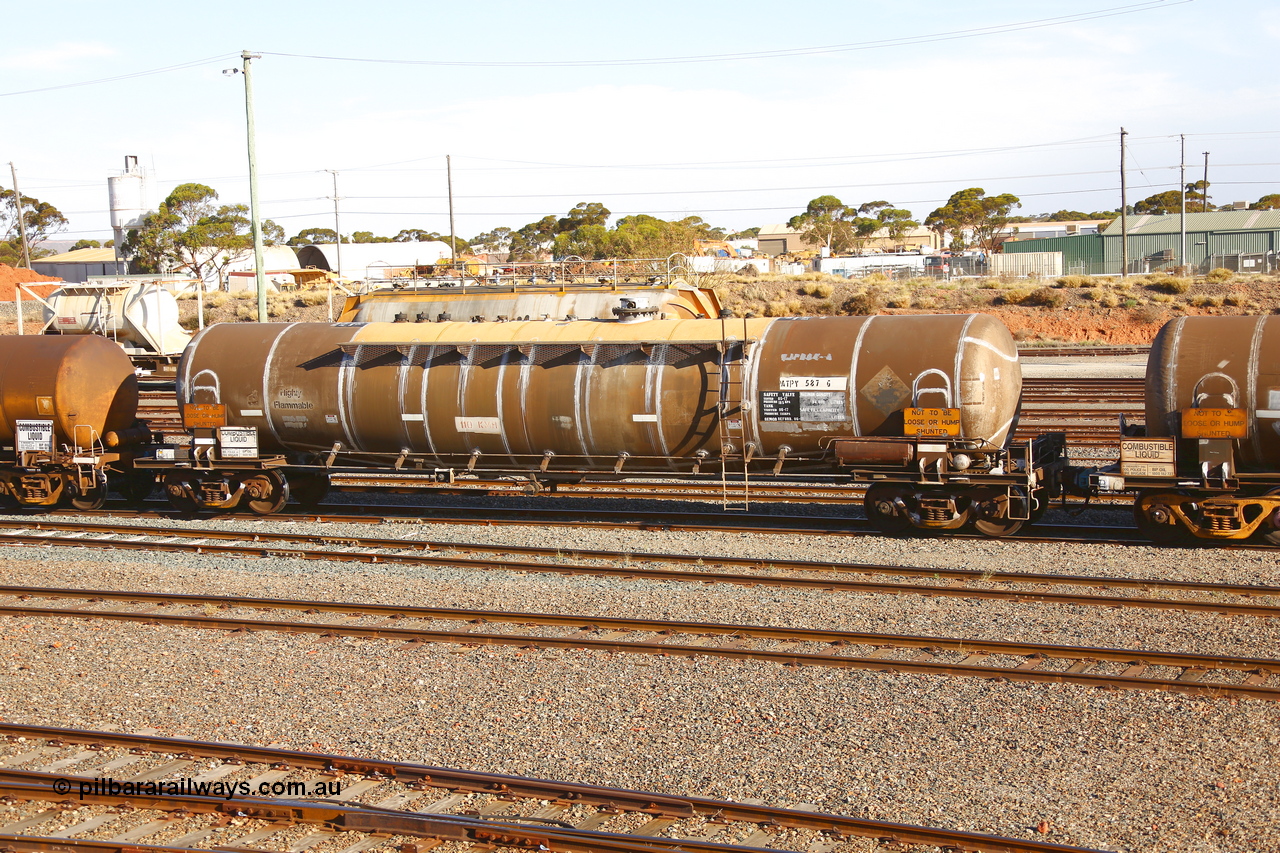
[1215,423]
[931,422]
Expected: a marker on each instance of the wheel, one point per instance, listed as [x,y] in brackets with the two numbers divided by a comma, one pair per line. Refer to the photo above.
[880,504]
[1269,530]
[1156,521]
[266,492]
[991,514]
[176,488]
[92,498]
[309,489]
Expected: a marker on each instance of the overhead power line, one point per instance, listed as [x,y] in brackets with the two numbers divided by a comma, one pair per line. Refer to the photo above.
[222,57]
[904,41]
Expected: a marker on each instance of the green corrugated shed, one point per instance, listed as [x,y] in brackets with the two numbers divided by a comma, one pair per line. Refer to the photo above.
[1083,252]
[1234,232]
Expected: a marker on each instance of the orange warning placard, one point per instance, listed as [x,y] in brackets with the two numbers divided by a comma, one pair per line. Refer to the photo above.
[931,422]
[204,415]
[1215,423]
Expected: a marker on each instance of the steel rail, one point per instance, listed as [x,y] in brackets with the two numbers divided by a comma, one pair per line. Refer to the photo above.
[562,552]
[201,545]
[1194,666]
[619,799]
[690,521]
[29,785]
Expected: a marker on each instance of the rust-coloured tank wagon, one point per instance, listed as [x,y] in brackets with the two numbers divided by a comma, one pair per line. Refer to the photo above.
[1208,462]
[919,407]
[68,409]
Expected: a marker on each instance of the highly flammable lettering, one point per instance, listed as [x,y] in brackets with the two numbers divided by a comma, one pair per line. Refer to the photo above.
[930,421]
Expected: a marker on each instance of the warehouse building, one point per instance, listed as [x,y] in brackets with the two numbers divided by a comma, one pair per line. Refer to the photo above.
[1241,240]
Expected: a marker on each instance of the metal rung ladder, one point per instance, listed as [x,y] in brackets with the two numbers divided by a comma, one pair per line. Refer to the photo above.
[733,408]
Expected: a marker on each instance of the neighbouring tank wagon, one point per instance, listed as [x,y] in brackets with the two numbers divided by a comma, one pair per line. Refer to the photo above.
[1208,462]
[921,408]
[68,409]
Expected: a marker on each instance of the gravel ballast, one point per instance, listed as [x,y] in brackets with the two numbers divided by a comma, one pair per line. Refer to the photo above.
[1121,770]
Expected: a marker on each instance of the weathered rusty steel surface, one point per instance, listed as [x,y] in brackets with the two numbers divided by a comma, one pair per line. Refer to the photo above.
[677,301]
[74,381]
[1218,363]
[647,394]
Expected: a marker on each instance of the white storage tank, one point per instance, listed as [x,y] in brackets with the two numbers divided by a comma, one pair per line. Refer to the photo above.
[141,316]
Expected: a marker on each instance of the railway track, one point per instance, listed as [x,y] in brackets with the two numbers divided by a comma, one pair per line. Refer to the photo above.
[686,521]
[1227,599]
[1082,350]
[1214,675]
[396,807]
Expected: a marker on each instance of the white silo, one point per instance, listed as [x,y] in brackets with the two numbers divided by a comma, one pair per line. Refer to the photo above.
[129,194]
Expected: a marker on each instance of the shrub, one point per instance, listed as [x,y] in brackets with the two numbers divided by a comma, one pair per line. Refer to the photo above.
[1219,275]
[245,312]
[217,299]
[1162,297]
[1109,300]
[1206,301]
[875,278]
[1169,283]
[312,297]
[1045,297]
[820,289]
[1016,296]
[1234,299]
[865,303]
[1074,281]
[1129,303]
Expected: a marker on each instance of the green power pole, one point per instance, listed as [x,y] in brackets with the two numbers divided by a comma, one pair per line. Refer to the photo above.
[255,220]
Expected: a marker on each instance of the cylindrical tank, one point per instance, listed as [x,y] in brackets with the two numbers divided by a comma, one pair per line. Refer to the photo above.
[85,385]
[1223,363]
[140,316]
[677,301]
[595,390]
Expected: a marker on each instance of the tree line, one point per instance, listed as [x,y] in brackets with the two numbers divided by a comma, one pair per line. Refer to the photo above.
[193,232]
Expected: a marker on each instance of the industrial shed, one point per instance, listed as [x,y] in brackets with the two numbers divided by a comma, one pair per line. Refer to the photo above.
[1243,240]
[79,265]
[362,261]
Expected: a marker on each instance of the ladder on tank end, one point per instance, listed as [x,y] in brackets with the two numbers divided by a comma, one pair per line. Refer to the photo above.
[732,410]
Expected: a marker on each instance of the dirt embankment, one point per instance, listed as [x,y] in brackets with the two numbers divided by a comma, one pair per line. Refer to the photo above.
[1113,327]
[10,278]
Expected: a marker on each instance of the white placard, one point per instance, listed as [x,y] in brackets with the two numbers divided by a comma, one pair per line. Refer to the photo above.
[238,442]
[34,436]
[486,426]
[645,419]
[813,383]
[410,417]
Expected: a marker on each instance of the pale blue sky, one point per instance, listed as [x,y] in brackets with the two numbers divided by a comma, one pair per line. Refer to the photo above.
[935,96]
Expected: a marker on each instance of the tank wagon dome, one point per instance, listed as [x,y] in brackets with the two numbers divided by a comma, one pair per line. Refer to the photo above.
[602,391]
[85,385]
[1219,362]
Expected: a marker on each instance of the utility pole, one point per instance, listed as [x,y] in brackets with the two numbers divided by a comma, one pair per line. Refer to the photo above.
[1204,202]
[1182,215]
[337,226]
[255,221]
[453,241]
[22,222]
[1124,212]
